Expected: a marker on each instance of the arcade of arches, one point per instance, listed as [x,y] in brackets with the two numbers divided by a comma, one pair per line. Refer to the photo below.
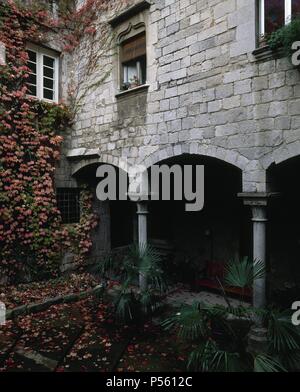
[232,224]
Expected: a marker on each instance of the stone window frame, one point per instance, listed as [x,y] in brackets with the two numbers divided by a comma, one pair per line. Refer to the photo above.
[261,13]
[263,51]
[132,31]
[129,22]
[40,52]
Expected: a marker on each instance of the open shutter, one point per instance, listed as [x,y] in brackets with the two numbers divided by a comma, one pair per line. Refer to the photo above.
[133,48]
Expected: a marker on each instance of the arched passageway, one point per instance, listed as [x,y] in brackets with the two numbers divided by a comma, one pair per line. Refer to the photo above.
[116,227]
[217,233]
[284,229]
[220,231]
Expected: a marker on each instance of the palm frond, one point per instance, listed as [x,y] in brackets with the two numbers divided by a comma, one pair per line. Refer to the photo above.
[191,322]
[283,335]
[200,359]
[291,359]
[145,259]
[105,267]
[242,273]
[224,361]
[149,259]
[221,311]
[265,363]
[259,269]
[149,301]
[208,358]
[125,306]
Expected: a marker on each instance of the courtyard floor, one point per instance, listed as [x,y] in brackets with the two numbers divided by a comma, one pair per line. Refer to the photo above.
[83,336]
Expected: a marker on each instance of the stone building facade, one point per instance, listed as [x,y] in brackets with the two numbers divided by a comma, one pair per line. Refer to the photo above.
[212,96]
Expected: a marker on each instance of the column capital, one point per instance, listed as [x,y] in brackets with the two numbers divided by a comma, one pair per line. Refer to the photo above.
[142,207]
[257,198]
[259,213]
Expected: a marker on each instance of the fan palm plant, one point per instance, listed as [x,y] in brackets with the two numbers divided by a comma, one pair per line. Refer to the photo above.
[220,333]
[132,303]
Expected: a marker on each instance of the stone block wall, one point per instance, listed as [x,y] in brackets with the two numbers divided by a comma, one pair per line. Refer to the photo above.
[207,94]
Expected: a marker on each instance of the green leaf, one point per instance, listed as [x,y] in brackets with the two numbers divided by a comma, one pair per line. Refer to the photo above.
[267,364]
[148,301]
[208,358]
[242,273]
[285,37]
[126,306]
[283,335]
[191,321]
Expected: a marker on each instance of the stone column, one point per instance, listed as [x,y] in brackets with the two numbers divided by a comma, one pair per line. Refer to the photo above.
[257,338]
[142,212]
[259,219]
[258,203]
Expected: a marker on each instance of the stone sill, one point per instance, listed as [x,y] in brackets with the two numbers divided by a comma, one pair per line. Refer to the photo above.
[265,53]
[137,89]
[129,12]
[78,153]
[257,198]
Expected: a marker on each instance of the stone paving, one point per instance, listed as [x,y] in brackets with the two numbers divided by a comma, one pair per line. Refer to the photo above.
[183,295]
[83,337]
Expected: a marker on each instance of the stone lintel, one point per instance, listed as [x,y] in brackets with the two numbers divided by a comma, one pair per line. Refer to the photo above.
[129,12]
[257,198]
[78,153]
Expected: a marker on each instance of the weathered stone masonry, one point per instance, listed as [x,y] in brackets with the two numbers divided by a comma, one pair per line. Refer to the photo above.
[207,93]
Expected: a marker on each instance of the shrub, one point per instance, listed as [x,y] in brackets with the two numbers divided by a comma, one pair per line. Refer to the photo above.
[220,332]
[285,37]
[132,303]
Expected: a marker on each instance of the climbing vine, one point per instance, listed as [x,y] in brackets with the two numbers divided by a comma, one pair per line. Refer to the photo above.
[82,33]
[78,236]
[32,237]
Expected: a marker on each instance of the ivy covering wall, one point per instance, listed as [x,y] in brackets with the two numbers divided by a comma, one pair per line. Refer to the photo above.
[32,237]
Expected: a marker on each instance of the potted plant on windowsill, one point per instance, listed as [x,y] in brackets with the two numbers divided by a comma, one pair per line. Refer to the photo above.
[125,86]
[284,39]
[134,82]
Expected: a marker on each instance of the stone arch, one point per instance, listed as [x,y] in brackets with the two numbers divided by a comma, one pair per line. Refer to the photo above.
[254,178]
[229,156]
[104,159]
[281,154]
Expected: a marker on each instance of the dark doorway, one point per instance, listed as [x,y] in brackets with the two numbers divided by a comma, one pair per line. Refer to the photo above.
[284,228]
[215,234]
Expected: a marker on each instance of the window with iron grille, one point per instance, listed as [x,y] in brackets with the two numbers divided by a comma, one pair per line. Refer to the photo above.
[68,202]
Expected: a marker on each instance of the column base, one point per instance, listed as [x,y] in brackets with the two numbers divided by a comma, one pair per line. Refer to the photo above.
[257,340]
